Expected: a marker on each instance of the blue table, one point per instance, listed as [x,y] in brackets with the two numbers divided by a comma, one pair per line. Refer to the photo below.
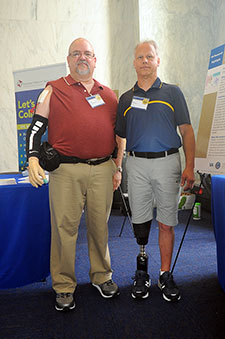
[218,214]
[24,233]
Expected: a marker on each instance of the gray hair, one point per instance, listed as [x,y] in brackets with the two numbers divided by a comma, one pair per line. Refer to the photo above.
[150,42]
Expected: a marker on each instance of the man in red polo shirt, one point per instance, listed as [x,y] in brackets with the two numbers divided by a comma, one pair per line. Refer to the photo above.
[80,114]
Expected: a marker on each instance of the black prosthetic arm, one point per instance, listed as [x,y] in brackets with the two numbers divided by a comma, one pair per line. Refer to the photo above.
[141,232]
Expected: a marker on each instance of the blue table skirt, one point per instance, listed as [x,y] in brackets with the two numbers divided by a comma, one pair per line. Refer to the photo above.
[24,234]
[218,214]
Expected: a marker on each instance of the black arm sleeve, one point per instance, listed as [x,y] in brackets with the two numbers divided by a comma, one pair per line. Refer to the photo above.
[34,134]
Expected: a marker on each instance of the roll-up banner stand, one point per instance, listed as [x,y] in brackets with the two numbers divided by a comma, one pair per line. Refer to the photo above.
[28,85]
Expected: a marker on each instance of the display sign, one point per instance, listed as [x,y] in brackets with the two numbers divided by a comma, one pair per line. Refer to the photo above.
[28,85]
[210,146]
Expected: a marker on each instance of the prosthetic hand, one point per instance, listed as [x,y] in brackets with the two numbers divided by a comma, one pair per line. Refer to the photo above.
[36,173]
[141,232]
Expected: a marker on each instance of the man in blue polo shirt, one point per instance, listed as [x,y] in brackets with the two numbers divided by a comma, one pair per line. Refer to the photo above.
[148,117]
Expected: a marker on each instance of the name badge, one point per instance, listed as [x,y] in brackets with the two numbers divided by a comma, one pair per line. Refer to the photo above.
[95,100]
[139,102]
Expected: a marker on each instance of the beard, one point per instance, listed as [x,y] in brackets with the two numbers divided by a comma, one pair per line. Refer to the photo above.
[84,71]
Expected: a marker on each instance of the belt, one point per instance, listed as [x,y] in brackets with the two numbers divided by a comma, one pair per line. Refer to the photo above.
[74,160]
[153,155]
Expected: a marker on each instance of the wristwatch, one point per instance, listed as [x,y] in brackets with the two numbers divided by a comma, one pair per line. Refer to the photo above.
[119,169]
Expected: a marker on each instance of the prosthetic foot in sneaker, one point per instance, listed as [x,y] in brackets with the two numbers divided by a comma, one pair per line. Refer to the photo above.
[168,287]
[64,302]
[141,285]
[108,289]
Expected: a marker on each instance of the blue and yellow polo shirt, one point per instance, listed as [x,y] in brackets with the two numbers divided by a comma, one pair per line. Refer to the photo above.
[153,129]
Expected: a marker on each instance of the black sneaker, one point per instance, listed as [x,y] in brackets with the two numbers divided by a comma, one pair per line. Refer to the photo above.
[141,285]
[64,302]
[108,289]
[168,287]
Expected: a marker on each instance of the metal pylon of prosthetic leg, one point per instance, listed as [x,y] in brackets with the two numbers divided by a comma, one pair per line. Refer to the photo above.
[142,260]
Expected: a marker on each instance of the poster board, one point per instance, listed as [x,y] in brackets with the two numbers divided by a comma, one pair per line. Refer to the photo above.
[28,85]
[210,145]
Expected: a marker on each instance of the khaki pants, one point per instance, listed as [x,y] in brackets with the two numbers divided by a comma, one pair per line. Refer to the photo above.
[71,188]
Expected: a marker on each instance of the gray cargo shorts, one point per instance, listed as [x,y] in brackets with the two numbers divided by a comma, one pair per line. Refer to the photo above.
[154,181]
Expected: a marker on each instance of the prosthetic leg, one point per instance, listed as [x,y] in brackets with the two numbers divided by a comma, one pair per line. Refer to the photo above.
[141,280]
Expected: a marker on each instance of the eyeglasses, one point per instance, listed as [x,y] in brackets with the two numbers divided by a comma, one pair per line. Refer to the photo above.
[78,54]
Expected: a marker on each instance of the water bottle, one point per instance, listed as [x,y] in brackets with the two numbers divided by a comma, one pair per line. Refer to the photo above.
[197,211]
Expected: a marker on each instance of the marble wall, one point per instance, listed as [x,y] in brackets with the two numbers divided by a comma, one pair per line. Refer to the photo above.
[38,32]
[185,32]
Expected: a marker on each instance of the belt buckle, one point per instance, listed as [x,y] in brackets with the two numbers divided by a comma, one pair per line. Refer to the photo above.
[166,153]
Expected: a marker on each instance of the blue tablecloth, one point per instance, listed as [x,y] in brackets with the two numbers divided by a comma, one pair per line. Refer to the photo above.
[218,214]
[24,233]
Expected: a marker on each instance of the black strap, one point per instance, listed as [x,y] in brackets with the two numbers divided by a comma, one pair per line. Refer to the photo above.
[154,155]
[64,159]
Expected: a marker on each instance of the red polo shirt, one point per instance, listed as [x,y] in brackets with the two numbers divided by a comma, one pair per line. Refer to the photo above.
[74,127]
